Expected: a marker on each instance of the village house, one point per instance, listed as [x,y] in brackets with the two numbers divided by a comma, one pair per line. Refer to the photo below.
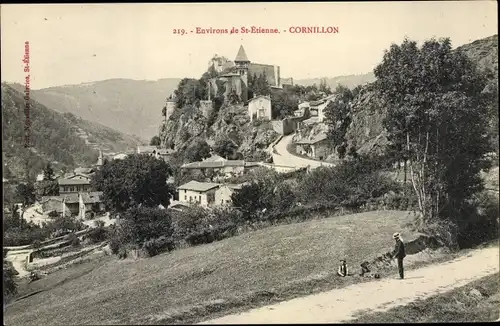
[90,202]
[316,148]
[73,204]
[159,153]
[303,110]
[226,168]
[224,192]
[260,108]
[75,185]
[56,204]
[201,193]
[317,108]
[281,168]
[151,150]
[119,156]
[81,170]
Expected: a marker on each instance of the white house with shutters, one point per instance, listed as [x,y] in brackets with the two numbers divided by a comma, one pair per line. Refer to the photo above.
[260,108]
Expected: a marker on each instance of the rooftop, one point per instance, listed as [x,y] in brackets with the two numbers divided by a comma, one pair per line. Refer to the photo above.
[90,197]
[241,56]
[66,182]
[73,176]
[236,186]
[316,139]
[83,170]
[214,158]
[218,164]
[146,149]
[199,186]
[263,96]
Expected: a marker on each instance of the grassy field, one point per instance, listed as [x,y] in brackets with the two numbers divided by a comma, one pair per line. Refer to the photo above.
[456,306]
[188,285]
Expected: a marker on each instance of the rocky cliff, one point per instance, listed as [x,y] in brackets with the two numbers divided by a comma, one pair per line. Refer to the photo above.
[188,124]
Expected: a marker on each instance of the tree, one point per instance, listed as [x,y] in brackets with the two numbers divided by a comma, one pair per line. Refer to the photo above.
[259,85]
[197,151]
[338,119]
[138,179]
[26,193]
[46,188]
[252,199]
[437,112]
[155,141]
[164,113]
[283,104]
[139,224]
[225,147]
[9,284]
[323,87]
[48,173]
[190,91]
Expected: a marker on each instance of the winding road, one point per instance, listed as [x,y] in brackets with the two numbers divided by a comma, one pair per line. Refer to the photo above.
[281,156]
[340,305]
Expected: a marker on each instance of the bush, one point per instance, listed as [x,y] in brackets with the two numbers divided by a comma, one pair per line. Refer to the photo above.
[9,284]
[155,246]
[53,214]
[351,184]
[199,226]
[138,225]
[36,244]
[478,222]
[114,245]
[73,240]
[98,234]
[63,225]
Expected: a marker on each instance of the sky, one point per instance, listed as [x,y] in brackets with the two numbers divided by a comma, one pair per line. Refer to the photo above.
[72,44]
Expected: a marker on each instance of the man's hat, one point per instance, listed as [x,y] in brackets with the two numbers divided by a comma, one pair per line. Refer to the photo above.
[396,235]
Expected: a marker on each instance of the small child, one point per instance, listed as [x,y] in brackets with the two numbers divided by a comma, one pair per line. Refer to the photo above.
[343,271]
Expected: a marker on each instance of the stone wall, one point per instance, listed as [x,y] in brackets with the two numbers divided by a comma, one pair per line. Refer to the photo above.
[206,108]
[286,126]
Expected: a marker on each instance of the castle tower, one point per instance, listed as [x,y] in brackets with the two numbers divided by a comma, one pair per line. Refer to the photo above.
[206,106]
[170,106]
[242,64]
[99,159]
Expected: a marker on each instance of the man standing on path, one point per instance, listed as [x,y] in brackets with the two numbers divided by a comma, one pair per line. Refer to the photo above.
[399,253]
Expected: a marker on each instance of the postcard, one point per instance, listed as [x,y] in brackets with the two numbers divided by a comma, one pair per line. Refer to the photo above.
[250,162]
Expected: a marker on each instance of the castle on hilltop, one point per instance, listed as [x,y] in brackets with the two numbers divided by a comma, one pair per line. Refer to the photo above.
[235,75]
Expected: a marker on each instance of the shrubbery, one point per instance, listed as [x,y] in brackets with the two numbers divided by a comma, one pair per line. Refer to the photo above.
[18,232]
[155,246]
[9,284]
[351,184]
[155,230]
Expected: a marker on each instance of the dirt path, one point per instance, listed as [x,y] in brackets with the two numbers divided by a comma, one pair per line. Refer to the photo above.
[283,157]
[341,304]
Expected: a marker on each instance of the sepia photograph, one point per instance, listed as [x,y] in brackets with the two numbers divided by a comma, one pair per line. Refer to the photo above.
[250,163]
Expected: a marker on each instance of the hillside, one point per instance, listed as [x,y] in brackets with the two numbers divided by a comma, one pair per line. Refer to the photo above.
[350,81]
[63,139]
[134,106]
[190,284]
[187,125]
[366,129]
[126,105]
